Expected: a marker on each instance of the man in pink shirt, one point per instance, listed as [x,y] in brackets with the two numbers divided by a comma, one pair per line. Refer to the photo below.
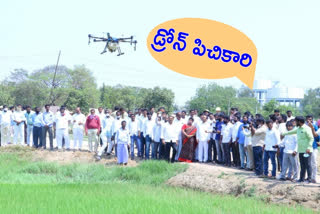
[92,128]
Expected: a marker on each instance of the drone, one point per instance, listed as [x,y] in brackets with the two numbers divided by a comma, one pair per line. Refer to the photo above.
[112,43]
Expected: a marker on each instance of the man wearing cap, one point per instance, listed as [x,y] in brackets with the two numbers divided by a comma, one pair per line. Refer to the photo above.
[218,110]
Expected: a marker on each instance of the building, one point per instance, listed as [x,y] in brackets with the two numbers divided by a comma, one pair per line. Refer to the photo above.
[266,90]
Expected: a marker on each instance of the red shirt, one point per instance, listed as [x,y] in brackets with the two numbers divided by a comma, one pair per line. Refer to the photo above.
[92,122]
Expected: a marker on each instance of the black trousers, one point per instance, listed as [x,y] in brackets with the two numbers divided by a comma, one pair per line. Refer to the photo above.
[226,153]
[143,144]
[212,150]
[162,151]
[46,130]
[235,154]
[170,145]
[305,164]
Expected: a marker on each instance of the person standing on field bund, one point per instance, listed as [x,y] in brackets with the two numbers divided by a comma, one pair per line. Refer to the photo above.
[92,128]
[78,120]
[122,139]
[48,118]
[305,141]
[18,119]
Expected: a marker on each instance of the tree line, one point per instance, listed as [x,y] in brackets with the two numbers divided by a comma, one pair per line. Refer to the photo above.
[77,86]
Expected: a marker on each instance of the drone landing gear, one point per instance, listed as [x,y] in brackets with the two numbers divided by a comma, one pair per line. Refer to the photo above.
[105,48]
[120,53]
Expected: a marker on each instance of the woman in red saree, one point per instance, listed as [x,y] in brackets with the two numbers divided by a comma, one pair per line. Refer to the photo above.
[189,142]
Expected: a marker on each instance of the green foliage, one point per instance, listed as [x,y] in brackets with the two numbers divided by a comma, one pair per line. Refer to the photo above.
[269,107]
[5,94]
[123,198]
[94,188]
[17,169]
[213,95]
[311,102]
[245,92]
[72,87]
[136,97]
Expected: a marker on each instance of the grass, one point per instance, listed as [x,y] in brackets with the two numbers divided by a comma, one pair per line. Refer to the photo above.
[123,198]
[40,187]
[16,170]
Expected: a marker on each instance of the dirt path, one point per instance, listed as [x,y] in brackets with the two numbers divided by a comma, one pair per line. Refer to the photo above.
[221,180]
[64,157]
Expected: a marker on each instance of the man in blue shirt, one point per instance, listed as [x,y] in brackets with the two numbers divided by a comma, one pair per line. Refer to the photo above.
[241,139]
[48,119]
[37,121]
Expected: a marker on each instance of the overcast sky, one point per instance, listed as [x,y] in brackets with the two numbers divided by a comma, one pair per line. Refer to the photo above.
[286,34]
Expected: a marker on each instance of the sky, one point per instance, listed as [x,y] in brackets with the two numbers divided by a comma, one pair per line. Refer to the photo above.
[286,34]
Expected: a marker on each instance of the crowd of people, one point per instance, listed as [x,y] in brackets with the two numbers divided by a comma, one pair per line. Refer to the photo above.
[244,141]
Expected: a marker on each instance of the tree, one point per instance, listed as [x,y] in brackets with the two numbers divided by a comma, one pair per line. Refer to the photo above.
[81,89]
[311,102]
[159,97]
[212,95]
[6,97]
[269,107]
[135,97]
[72,87]
[245,92]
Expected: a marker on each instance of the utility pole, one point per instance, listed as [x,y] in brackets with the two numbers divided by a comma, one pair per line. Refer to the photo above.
[54,78]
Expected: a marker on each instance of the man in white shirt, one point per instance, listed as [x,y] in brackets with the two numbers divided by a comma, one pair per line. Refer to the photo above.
[134,130]
[5,122]
[271,143]
[148,133]
[203,137]
[169,136]
[101,115]
[78,120]
[162,147]
[153,114]
[235,144]
[18,128]
[226,138]
[289,115]
[48,119]
[290,145]
[61,123]
[156,139]
[106,134]
[184,117]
